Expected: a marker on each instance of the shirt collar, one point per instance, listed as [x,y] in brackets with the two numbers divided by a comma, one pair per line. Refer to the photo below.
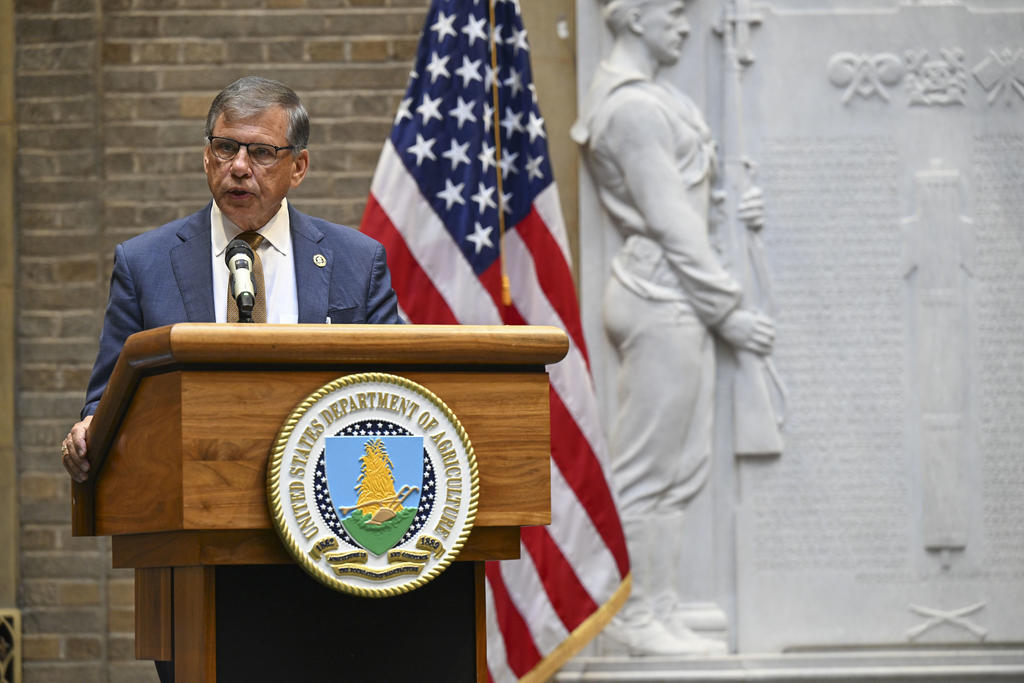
[275,232]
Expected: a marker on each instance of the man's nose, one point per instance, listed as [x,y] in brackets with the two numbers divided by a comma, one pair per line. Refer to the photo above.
[241,164]
[684,27]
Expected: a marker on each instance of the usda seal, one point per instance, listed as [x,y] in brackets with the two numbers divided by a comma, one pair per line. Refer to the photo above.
[372,485]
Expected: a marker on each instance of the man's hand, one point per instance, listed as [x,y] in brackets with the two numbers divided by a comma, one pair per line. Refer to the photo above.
[748,330]
[75,451]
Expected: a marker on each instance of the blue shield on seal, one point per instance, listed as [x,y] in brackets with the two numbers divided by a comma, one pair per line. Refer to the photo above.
[375,484]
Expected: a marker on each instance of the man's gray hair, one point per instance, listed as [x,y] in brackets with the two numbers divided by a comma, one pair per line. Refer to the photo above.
[251,96]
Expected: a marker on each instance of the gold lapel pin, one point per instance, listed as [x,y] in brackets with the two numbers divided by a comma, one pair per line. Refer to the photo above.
[319,260]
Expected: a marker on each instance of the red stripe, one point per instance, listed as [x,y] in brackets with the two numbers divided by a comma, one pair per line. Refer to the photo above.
[581,470]
[567,594]
[416,292]
[491,279]
[521,651]
[554,275]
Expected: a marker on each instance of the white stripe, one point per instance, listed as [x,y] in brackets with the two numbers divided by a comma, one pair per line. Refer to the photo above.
[568,377]
[527,593]
[497,659]
[549,208]
[581,543]
[429,242]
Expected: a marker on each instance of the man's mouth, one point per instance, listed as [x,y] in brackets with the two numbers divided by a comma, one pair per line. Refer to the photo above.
[238,194]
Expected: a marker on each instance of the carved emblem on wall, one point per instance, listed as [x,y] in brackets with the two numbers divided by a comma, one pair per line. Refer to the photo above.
[1001,73]
[942,80]
[939,253]
[954,617]
[864,75]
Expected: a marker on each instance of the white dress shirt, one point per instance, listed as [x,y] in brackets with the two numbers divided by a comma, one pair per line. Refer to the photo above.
[278,265]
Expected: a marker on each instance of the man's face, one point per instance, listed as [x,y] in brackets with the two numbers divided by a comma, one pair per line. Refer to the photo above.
[665,27]
[247,193]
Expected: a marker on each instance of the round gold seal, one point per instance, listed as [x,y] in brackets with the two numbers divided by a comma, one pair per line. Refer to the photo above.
[372,485]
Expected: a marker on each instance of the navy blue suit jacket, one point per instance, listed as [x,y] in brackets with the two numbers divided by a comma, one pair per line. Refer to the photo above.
[164,276]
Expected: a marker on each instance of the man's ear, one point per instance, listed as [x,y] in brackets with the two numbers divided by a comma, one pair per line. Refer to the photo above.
[300,164]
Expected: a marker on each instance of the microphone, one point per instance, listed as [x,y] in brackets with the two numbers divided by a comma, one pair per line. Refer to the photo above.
[239,260]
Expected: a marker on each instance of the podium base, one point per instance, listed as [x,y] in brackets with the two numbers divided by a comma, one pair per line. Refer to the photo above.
[276,623]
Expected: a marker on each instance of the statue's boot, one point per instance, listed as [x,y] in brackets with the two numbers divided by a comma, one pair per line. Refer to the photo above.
[666,573]
[636,626]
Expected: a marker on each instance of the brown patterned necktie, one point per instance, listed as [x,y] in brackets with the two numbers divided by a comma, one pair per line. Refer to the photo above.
[259,310]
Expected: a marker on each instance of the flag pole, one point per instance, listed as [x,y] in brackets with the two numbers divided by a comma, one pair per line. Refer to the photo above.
[506,290]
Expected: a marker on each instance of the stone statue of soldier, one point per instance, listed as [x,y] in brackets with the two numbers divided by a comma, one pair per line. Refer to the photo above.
[653,161]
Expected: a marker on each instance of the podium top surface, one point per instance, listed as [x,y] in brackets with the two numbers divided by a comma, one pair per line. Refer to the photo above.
[201,343]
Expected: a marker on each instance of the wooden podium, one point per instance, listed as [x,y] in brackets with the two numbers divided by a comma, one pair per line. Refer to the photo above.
[180,444]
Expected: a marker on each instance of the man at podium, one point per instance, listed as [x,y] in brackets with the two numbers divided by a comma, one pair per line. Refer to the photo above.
[305,269]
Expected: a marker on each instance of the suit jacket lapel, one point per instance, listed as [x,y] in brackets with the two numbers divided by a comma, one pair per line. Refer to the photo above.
[312,282]
[190,261]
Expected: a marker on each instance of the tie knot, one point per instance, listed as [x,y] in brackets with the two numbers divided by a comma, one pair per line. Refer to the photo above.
[252,238]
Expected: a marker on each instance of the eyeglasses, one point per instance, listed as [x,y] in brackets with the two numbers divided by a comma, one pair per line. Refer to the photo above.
[262,154]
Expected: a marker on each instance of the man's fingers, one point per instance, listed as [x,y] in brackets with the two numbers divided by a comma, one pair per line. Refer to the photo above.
[75,451]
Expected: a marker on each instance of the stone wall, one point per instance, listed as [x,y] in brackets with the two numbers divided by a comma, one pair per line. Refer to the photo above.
[110,101]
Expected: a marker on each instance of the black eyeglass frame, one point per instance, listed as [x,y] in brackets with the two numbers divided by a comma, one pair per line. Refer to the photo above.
[247,145]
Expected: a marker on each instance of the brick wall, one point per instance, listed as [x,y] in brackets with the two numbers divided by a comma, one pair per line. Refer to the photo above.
[110,100]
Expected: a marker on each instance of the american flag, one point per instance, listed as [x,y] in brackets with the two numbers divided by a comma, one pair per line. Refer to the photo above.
[462,196]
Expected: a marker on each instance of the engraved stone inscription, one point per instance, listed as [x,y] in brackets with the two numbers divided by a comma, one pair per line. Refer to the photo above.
[998,170]
[837,276]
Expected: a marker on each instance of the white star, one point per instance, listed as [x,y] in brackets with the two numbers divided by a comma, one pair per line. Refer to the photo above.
[463,111]
[483,198]
[508,163]
[488,117]
[469,71]
[486,156]
[403,110]
[481,237]
[533,167]
[535,127]
[451,194]
[515,80]
[429,109]
[457,154]
[506,202]
[496,35]
[488,77]
[533,92]
[475,29]
[443,26]
[518,39]
[512,123]
[438,66]
[422,149]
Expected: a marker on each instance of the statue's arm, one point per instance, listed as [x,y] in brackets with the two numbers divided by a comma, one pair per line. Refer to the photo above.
[641,139]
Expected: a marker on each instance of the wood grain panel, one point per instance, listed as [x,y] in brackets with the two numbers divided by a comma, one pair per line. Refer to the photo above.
[261,546]
[141,483]
[195,632]
[480,600]
[505,414]
[154,621]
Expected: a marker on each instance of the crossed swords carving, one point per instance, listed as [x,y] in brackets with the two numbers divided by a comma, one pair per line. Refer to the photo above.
[955,617]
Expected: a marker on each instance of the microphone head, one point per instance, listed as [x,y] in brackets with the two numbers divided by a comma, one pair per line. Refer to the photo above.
[235,248]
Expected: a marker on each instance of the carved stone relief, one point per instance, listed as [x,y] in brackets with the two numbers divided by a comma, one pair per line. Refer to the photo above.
[894,517]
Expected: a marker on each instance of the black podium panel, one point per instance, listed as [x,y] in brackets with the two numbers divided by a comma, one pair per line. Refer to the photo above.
[276,623]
